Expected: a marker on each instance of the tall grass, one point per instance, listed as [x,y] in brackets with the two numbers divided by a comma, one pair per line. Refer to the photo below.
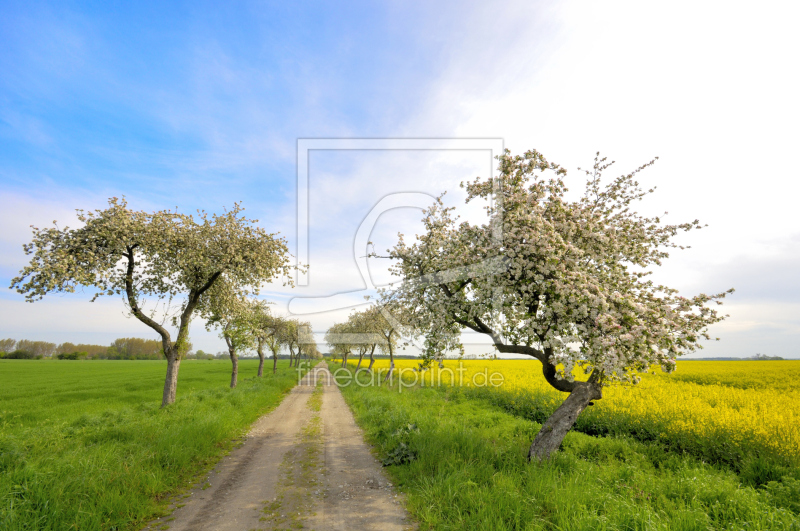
[464,466]
[85,445]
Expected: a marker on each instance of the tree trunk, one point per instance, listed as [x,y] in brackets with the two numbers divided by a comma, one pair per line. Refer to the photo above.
[274,362]
[235,368]
[391,363]
[371,358]
[260,363]
[391,369]
[171,381]
[344,359]
[556,427]
[361,357]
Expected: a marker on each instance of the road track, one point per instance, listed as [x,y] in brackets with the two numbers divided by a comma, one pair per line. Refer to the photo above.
[303,464]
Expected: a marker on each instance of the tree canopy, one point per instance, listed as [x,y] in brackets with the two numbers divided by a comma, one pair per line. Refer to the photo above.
[269,330]
[230,311]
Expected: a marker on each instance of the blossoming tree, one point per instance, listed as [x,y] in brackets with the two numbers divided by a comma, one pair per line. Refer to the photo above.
[563,281]
[299,338]
[233,313]
[340,343]
[147,257]
[269,330]
[360,332]
[306,344]
[365,323]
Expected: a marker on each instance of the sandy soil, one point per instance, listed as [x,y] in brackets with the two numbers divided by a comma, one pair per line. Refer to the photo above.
[304,465]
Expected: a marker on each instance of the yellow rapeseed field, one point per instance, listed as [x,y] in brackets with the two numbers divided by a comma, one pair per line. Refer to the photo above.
[730,408]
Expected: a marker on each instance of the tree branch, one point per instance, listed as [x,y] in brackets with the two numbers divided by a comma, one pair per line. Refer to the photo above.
[133,303]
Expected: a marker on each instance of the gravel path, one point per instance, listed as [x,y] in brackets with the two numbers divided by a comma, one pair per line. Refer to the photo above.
[305,464]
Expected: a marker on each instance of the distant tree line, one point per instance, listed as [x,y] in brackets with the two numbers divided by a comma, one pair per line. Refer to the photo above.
[757,357]
[125,348]
[26,349]
[764,357]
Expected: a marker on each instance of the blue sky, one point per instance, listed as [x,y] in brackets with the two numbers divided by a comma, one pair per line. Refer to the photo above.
[189,99]
[199,105]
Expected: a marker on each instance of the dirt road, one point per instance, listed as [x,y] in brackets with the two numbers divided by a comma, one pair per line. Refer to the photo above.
[305,464]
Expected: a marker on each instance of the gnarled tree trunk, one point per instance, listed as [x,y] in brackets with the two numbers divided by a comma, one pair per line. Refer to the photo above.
[581,394]
[561,421]
[274,362]
[172,351]
[391,363]
[391,370]
[391,353]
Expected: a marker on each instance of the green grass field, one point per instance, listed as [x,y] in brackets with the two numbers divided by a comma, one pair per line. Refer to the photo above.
[461,459]
[84,444]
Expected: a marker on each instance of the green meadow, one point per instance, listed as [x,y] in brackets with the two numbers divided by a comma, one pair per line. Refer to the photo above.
[85,445]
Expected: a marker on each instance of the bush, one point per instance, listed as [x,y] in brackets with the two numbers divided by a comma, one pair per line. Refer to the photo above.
[20,355]
[73,356]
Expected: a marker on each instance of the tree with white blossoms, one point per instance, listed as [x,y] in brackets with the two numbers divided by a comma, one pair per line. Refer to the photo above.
[388,321]
[291,336]
[233,313]
[563,281]
[269,330]
[313,352]
[358,333]
[306,345]
[364,323]
[300,340]
[338,338]
[160,255]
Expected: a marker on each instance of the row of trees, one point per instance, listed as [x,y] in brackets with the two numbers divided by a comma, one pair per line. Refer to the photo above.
[246,323]
[362,333]
[126,348]
[154,259]
[24,348]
